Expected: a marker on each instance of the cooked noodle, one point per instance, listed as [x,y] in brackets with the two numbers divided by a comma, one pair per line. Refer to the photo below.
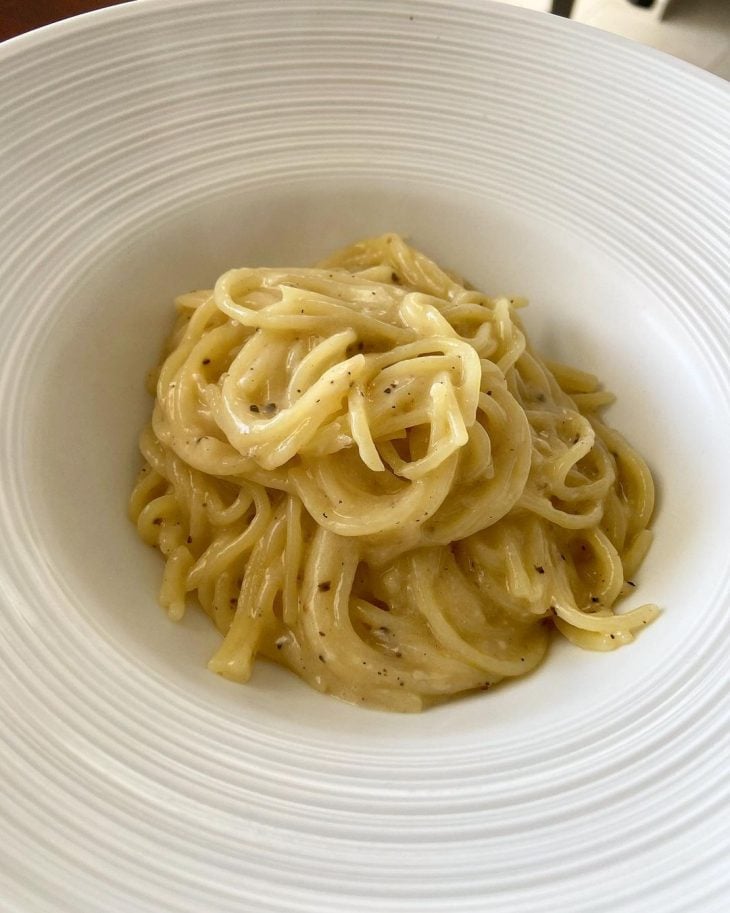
[365,474]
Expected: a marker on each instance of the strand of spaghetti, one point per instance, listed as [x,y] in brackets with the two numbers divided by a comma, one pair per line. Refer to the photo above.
[274,441]
[427,590]
[232,543]
[628,621]
[292,560]
[334,498]
[172,592]
[327,590]
[262,582]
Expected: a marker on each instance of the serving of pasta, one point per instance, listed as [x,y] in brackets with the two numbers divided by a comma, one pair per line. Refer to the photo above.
[364,473]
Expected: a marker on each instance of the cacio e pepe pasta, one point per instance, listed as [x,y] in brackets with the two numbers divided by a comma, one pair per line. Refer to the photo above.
[364,473]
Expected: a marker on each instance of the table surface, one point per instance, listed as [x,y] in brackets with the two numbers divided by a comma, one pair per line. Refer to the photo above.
[17,16]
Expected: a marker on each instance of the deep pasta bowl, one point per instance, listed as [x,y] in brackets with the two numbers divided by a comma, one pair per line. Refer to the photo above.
[149,148]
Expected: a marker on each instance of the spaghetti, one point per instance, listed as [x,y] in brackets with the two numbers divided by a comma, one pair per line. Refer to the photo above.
[365,474]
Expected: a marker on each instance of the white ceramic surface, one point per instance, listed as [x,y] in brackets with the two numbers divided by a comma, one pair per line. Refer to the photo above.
[147,148]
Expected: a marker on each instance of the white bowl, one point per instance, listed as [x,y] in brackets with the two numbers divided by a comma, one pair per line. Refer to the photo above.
[151,146]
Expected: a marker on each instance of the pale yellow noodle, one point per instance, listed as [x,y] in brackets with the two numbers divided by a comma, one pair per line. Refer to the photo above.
[364,473]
